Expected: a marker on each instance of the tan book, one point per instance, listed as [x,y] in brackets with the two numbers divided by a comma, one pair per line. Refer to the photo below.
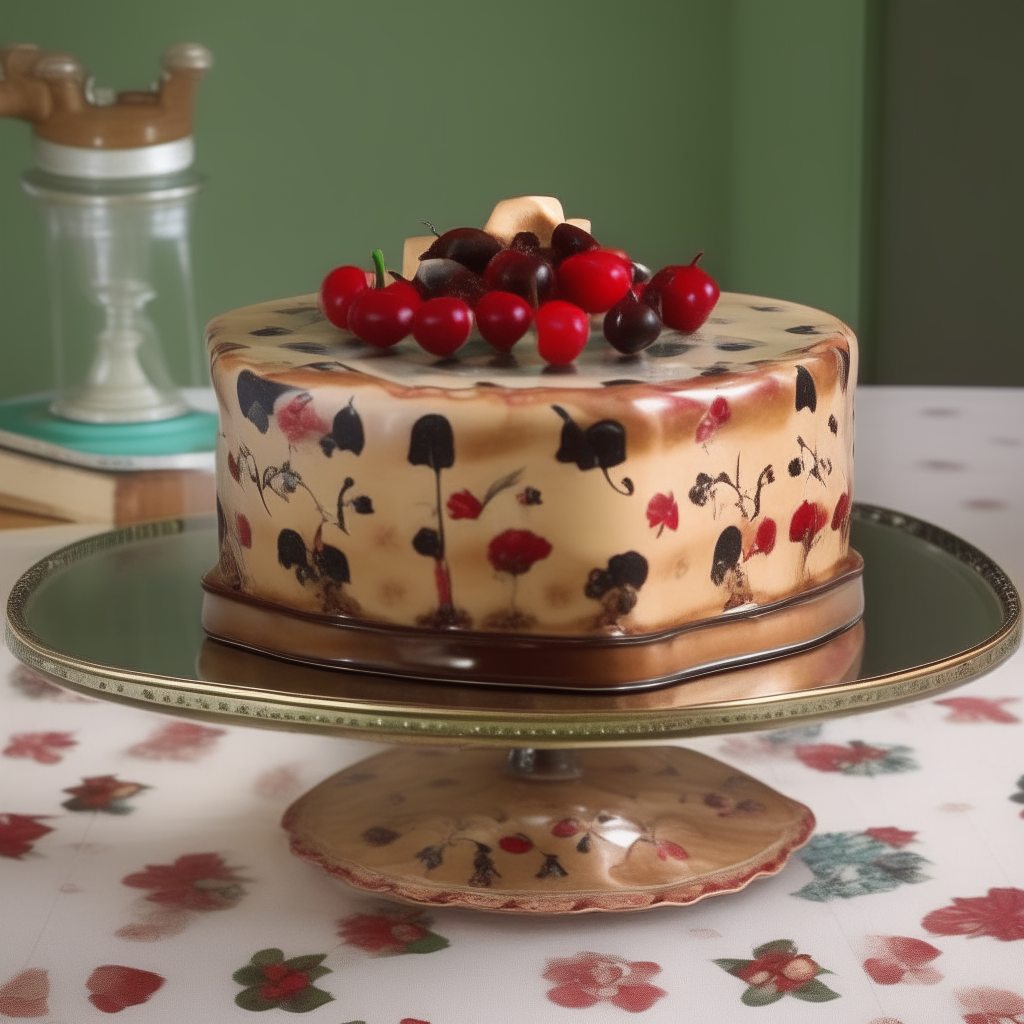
[43,487]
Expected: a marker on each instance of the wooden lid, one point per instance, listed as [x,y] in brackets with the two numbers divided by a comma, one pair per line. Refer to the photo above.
[49,89]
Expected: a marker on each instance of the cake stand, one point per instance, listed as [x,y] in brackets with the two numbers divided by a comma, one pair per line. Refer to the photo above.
[512,799]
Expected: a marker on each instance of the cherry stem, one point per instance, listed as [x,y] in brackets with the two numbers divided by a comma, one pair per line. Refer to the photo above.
[378,265]
[693,262]
[433,230]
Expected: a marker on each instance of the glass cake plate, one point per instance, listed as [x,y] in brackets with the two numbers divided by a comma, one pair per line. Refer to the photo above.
[511,799]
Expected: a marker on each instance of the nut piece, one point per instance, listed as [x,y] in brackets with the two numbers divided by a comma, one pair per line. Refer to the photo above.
[411,252]
[539,214]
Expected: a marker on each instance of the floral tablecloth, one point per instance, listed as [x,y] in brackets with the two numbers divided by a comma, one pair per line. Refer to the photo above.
[142,870]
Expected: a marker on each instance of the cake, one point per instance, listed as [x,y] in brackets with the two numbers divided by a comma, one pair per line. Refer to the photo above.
[619,522]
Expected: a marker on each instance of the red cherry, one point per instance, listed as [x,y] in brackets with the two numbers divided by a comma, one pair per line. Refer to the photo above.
[338,290]
[503,318]
[686,293]
[516,844]
[441,326]
[621,253]
[562,331]
[383,316]
[595,280]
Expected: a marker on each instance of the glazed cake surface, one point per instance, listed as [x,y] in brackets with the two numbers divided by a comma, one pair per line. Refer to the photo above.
[493,497]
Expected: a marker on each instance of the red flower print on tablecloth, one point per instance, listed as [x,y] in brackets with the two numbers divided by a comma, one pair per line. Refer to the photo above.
[391,932]
[999,914]
[856,758]
[985,1005]
[178,741]
[963,710]
[44,747]
[663,511]
[899,958]
[34,686]
[18,832]
[26,994]
[298,418]
[114,988]
[895,837]
[778,969]
[102,793]
[272,981]
[589,978]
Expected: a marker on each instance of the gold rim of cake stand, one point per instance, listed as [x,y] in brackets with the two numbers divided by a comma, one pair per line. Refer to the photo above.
[414,724]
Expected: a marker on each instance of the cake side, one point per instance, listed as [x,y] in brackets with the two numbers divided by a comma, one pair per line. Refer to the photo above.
[711,474]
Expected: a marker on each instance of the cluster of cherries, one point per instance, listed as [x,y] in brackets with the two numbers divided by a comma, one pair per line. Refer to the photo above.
[467,275]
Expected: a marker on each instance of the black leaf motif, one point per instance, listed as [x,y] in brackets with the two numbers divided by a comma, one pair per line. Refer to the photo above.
[619,383]
[332,563]
[431,857]
[833,425]
[380,836]
[551,868]
[667,349]
[346,432]
[484,870]
[806,392]
[715,371]
[803,329]
[795,467]
[256,398]
[427,542]
[363,505]
[767,309]
[583,846]
[291,549]
[727,554]
[312,348]
[701,490]
[599,582]
[629,569]
[602,444]
[734,346]
[431,443]
[271,332]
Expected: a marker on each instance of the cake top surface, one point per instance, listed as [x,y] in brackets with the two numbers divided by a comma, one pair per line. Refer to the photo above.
[744,333]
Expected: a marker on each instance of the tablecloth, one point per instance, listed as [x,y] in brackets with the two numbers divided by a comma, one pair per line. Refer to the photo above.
[143,872]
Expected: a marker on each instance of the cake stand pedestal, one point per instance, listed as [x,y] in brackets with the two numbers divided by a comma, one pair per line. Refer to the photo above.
[513,799]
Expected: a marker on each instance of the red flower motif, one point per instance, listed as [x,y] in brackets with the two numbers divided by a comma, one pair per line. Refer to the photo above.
[516,844]
[178,741]
[717,414]
[978,709]
[196,881]
[764,539]
[298,418]
[244,530]
[565,828]
[663,511]
[115,988]
[101,793]
[667,849]
[842,513]
[783,971]
[895,837]
[233,469]
[463,505]
[999,914]
[41,746]
[807,520]
[384,933]
[282,982]
[18,832]
[514,551]
[898,958]
[830,757]
[590,978]
[987,1005]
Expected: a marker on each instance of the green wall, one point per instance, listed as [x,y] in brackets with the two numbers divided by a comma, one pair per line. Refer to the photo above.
[748,128]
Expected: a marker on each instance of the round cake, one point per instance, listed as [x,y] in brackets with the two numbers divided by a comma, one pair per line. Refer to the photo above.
[619,522]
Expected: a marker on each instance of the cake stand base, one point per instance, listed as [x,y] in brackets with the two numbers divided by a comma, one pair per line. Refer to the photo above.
[547,831]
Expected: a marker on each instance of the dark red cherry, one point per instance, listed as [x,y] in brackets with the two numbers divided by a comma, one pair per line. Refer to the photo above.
[631,325]
[471,247]
[527,276]
[437,278]
[567,240]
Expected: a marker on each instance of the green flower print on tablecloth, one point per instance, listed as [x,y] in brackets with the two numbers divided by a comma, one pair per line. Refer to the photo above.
[777,970]
[848,864]
[271,981]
